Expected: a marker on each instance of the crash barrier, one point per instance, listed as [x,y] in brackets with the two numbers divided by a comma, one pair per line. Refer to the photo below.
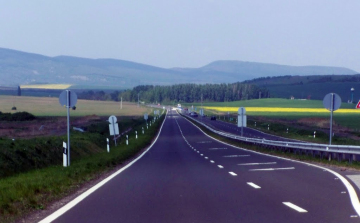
[339,152]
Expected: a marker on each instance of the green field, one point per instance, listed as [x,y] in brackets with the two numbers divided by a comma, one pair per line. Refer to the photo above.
[49,106]
[351,121]
[271,102]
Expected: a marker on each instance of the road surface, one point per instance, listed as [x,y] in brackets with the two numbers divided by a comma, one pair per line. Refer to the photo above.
[189,177]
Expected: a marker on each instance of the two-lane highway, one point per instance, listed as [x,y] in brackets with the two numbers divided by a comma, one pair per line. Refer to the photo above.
[189,177]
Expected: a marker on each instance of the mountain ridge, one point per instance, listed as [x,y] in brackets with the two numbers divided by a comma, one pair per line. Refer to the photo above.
[18,67]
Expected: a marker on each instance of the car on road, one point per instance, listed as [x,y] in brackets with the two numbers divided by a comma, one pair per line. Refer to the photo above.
[213,118]
[193,114]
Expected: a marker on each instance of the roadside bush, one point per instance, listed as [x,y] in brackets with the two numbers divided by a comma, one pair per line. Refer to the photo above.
[18,116]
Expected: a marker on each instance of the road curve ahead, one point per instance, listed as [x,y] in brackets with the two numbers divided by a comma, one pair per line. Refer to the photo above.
[189,177]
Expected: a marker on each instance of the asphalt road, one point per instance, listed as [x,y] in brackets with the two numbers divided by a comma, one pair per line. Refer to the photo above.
[189,177]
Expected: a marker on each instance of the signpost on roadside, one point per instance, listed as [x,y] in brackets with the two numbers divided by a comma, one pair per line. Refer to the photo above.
[113,127]
[358,105]
[242,119]
[331,102]
[68,99]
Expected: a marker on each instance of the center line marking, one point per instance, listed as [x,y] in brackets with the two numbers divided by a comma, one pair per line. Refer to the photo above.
[293,206]
[220,166]
[253,185]
[250,164]
[232,173]
[272,169]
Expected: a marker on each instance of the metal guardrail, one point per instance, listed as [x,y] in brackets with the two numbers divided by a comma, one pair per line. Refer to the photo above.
[338,149]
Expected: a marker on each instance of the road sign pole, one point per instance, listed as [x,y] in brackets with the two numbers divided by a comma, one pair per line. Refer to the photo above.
[113,124]
[242,123]
[68,125]
[331,116]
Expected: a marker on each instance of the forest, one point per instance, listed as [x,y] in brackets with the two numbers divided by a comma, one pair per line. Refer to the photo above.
[194,93]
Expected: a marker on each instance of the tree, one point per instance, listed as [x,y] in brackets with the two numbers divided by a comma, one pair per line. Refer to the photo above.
[19,91]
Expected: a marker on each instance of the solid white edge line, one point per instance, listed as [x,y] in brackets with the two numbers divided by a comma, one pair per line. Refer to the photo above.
[82,196]
[253,185]
[295,207]
[352,194]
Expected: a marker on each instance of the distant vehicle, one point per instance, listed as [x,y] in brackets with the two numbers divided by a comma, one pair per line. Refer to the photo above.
[179,105]
[213,118]
[193,114]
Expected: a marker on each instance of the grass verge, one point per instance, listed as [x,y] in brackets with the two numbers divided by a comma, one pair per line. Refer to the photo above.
[24,193]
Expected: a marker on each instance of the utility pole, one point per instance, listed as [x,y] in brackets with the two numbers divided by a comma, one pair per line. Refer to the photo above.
[121,103]
[138,100]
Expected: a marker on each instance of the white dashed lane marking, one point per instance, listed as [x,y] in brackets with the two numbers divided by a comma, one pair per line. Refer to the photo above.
[273,169]
[231,156]
[253,185]
[295,207]
[220,166]
[216,148]
[232,173]
[253,164]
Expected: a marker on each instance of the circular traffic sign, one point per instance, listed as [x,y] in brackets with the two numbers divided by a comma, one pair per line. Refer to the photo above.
[332,102]
[241,111]
[112,119]
[63,98]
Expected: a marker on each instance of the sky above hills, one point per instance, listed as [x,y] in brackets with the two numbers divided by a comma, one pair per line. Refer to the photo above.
[184,33]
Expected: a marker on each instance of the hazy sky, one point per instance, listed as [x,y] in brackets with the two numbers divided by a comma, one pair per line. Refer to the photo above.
[187,33]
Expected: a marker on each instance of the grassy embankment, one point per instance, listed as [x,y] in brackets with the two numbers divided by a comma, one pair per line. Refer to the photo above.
[32,175]
[280,114]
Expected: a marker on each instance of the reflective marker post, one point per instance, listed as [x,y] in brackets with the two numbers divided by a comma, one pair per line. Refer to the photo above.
[64,155]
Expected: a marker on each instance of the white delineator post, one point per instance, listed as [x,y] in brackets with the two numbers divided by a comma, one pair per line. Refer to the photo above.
[64,155]
[108,146]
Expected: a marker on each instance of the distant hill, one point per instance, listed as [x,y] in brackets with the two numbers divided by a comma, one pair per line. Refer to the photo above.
[18,67]
[311,87]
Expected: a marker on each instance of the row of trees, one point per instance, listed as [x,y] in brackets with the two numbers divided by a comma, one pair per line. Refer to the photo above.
[195,93]
[99,95]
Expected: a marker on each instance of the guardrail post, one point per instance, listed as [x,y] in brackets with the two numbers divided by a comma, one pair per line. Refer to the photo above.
[329,156]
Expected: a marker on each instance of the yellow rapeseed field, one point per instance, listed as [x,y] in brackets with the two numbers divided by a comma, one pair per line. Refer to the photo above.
[47,86]
[285,110]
